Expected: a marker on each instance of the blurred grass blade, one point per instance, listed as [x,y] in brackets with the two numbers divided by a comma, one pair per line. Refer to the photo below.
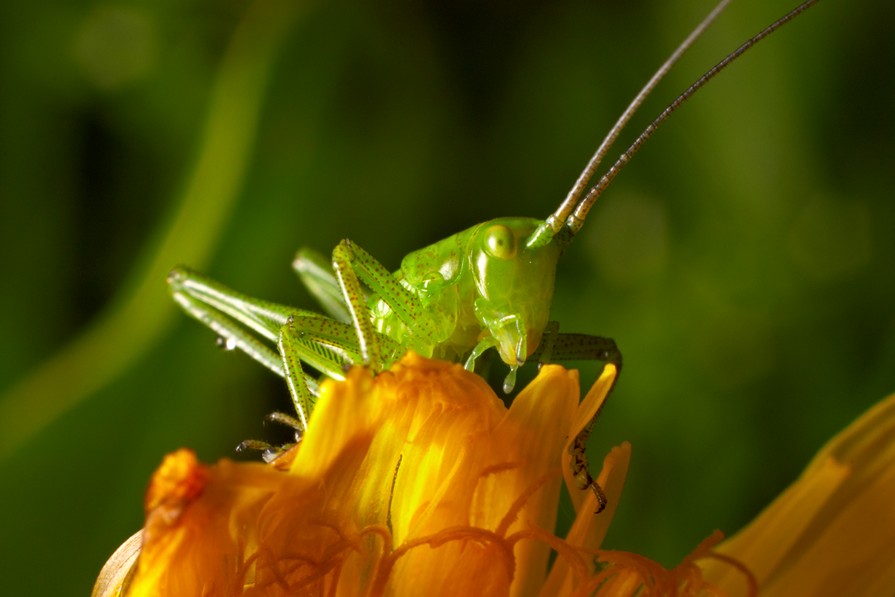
[138,316]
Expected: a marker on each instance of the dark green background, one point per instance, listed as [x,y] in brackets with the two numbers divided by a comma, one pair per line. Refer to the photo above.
[743,262]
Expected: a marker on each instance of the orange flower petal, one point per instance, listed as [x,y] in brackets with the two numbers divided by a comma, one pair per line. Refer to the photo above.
[417,481]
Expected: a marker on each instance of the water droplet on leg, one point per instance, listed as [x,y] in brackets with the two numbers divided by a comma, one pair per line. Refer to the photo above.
[226,343]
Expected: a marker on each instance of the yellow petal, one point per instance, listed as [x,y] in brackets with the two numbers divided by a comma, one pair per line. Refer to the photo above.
[589,529]
[585,501]
[833,531]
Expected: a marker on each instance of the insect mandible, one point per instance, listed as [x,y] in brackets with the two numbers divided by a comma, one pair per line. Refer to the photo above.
[487,287]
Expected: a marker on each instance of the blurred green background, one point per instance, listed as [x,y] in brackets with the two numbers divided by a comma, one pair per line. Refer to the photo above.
[743,262]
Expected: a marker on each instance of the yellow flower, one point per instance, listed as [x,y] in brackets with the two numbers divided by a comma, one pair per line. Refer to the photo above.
[833,531]
[416,482]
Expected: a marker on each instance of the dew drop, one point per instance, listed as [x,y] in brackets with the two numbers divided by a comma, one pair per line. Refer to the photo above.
[510,382]
[226,343]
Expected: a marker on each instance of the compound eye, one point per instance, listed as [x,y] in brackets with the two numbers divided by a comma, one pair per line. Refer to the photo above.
[500,242]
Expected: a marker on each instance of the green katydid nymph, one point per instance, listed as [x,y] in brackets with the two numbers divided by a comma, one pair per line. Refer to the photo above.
[487,287]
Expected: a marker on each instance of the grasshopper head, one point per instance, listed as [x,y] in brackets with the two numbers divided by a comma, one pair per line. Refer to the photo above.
[514,285]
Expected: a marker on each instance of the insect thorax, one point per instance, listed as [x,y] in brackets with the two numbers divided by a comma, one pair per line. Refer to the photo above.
[482,282]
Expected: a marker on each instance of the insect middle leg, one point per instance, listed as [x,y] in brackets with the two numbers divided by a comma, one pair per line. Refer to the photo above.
[327,345]
[556,346]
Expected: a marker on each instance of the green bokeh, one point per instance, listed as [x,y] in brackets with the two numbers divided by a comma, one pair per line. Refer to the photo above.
[745,261]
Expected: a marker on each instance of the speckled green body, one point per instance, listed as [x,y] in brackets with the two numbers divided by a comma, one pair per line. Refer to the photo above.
[480,284]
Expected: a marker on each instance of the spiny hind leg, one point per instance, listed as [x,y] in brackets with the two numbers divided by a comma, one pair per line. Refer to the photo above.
[244,322]
[316,273]
[353,265]
[556,346]
[240,320]
[232,333]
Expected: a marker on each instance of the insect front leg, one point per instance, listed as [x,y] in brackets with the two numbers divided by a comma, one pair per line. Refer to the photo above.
[557,346]
[570,347]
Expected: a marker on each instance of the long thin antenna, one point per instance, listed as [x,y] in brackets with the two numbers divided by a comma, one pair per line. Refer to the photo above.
[575,221]
[556,220]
